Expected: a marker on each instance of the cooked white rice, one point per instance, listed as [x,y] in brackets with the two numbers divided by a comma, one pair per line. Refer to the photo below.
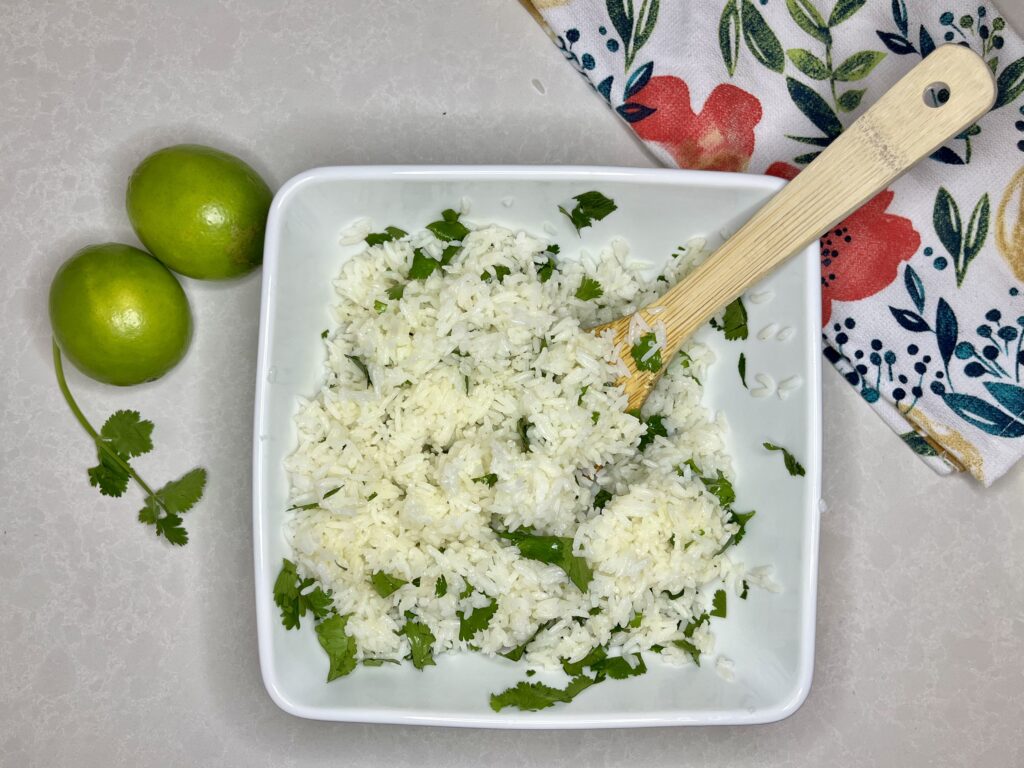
[455,364]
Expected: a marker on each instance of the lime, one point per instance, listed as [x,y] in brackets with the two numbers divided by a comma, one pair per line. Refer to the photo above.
[201,211]
[119,314]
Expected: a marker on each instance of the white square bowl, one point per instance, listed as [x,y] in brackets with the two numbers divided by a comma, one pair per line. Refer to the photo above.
[769,636]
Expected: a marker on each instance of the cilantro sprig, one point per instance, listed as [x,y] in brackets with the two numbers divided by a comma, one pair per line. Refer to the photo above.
[124,436]
[590,207]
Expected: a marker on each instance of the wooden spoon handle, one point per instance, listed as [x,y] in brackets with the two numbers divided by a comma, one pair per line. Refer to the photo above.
[897,132]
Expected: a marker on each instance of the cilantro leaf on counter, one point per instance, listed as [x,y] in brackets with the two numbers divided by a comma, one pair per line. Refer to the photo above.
[553,550]
[389,234]
[742,367]
[641,352]
[794,467]
[589,289]
[590,207]
[124,436]
[477,620]
[385,585]
[530,697]
[339,646]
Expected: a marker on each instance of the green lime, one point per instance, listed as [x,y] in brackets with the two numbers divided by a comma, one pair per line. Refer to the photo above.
[119,314]
[201,211]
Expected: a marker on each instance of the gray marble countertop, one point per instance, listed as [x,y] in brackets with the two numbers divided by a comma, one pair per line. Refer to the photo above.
[116,650]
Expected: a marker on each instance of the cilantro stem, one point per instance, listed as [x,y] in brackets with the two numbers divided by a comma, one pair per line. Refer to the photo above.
[58,367]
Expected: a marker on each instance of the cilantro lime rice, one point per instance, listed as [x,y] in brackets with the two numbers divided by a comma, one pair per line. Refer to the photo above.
[467,478]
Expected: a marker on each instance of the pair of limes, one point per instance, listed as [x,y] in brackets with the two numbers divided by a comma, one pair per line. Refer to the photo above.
[119,314]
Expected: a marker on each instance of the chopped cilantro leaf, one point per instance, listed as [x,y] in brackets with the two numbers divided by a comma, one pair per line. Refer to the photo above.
[546,270]
[396,291]
[423,266]
[794,467]
[448,254]
[340,647]
[601,498]
[332,492]
[441,586]
[589,289]
[734,321]
[594,656]
[517,653]
[590,207]
[553,550]
[293,602]
[553,248]
[421,643]
[718,604]
[717,486]
[389,233]
[583,391]
[655,427]
[619,667]
[467,590]
[690,648]
[449,227]
[741,519]
[523,427]
[385,584]
[490,479]
[323,334]
[358,363]
[742,367]
[379,306]
[477,620]
[643,357]
[499,271]
[530,697]
[745,590]
[379,662]
[595,416]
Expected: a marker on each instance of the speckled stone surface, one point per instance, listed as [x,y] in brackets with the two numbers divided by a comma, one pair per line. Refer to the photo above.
[116,650]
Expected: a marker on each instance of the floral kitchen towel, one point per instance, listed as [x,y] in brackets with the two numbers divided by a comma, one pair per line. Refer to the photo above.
[923,287]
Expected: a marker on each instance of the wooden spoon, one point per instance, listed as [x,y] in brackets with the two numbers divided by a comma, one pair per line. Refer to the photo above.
[887,140]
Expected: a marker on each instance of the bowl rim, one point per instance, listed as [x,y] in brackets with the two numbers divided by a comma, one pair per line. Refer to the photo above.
[554,719]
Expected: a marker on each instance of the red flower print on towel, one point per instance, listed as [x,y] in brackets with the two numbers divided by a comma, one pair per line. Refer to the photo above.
[862,255]
[720,138]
